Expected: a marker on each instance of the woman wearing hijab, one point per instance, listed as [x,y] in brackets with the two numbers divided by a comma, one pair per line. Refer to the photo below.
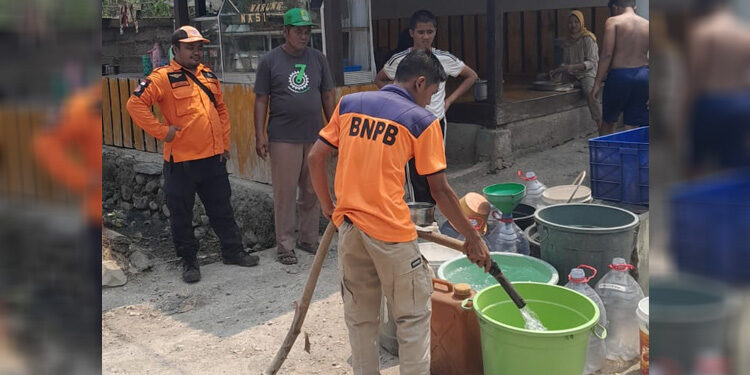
[580,61]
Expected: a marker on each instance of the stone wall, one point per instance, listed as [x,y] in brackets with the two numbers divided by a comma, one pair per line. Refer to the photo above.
[133,204]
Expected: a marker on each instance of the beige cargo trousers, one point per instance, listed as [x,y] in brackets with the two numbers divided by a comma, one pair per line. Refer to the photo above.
[369,267]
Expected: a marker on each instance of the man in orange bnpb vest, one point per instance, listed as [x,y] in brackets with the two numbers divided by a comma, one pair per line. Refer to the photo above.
[196,148]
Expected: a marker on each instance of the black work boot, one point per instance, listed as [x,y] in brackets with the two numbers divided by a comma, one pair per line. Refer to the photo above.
[241,258]
[191,272]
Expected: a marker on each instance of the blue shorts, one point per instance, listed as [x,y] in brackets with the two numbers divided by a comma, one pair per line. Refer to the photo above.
[626,92]
[720,130]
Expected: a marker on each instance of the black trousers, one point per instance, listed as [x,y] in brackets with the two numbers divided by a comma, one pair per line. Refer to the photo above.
[418,182]
[209,178]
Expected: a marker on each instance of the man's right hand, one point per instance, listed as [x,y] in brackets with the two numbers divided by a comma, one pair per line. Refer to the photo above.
[595,90]
[477,252]
[171,133]
[261,147]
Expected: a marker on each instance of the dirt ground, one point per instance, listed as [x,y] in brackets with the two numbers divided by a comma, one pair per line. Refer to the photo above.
[235,319]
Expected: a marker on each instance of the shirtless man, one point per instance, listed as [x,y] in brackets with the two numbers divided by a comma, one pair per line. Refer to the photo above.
[718,88]
[624,63]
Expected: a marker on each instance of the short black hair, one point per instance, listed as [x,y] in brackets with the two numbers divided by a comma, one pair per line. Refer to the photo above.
[622,3]
[422,16]
[421,62]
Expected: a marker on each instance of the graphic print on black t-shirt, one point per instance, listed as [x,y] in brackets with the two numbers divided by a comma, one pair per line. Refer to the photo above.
[299,82]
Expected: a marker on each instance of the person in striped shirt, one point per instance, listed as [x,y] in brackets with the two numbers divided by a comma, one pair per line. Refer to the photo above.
[422,29]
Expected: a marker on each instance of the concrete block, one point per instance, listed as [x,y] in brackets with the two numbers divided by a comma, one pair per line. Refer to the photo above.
[460,144]
[543,132]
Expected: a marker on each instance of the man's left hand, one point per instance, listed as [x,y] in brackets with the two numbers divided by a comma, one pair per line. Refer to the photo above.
[224,156]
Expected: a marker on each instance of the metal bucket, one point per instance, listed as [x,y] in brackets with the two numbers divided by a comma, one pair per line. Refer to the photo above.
[480,90]
[422,214]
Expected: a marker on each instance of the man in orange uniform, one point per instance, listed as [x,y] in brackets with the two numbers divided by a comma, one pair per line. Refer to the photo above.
[71,152]
[376,133]
[196,148]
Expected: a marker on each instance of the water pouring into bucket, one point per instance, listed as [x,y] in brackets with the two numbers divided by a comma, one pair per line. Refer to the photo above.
[505,197]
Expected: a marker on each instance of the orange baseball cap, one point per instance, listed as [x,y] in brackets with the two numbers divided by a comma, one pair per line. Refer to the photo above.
[188,34]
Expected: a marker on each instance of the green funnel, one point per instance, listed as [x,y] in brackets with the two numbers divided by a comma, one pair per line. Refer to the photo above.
[505,196]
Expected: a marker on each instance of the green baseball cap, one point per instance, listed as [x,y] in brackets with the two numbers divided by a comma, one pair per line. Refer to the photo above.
[297,17]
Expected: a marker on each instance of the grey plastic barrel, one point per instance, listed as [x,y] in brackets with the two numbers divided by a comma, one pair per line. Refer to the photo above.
[574,234]
[692,317]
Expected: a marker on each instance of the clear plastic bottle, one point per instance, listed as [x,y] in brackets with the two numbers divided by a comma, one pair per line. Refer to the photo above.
[597,350]
[503,236]
[534,188]
[620,294]
[522,242]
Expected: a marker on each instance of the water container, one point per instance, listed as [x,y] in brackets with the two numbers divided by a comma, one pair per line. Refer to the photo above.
[455,347]
[522,242]
[503,238]
[504,235]
[597,350]
[534,188]
[621,294]
[642,314]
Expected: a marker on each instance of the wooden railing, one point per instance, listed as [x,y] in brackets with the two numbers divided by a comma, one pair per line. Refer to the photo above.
[21,177]
[119,130]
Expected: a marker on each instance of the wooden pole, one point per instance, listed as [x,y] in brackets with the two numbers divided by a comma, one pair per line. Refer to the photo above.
[301,309]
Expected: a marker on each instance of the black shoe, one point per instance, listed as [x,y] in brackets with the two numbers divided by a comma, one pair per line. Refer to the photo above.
[191,272]
[242,259]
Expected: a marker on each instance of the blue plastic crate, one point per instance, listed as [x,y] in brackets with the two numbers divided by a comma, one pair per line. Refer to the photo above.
[709,226]
[619,166]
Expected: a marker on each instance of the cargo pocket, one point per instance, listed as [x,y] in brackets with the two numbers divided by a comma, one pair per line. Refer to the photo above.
[412,289]
[183,102]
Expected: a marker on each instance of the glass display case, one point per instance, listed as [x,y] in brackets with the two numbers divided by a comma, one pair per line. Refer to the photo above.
[243,31]
[357,42]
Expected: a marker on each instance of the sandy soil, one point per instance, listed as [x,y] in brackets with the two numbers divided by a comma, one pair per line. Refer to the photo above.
[235,319]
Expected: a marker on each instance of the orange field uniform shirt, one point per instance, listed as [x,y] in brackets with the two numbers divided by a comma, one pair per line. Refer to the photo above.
[205,127]
[376,133]
[71,151]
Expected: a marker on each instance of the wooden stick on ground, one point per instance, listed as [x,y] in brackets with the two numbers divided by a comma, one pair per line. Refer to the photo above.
[301,308]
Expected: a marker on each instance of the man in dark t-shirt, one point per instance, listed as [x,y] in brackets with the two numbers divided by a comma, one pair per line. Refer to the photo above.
[297,81]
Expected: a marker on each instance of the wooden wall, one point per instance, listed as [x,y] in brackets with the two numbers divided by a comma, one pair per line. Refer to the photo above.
[118,128]
[21,178]
[529,37]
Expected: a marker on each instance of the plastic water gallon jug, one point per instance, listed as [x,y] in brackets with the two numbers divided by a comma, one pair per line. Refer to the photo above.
[502,238]
[620,294]
[455,347]
[534,188]
[522,242]
[504,235]
[597,350]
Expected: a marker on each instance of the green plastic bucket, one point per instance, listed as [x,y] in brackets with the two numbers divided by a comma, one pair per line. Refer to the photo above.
[516,267]
[510,349]
[573,234]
